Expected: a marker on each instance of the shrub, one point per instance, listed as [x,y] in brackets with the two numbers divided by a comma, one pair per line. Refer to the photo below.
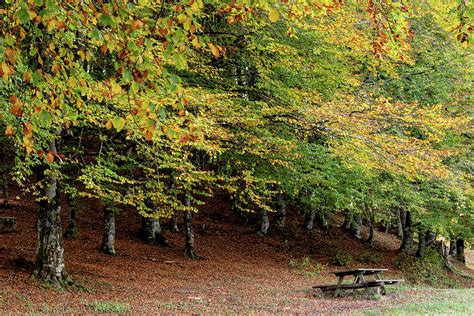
[305,266]
[341,259]
[430,269]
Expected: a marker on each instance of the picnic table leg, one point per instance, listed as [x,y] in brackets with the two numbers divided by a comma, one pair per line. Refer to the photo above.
[336,291]
[384,290]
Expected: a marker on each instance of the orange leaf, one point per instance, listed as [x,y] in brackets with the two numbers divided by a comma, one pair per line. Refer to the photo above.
[49,157]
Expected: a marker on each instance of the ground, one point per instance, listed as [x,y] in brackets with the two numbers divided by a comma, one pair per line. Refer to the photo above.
[239,272]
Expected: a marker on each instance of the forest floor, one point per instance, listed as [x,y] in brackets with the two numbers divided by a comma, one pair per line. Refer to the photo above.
[239,272]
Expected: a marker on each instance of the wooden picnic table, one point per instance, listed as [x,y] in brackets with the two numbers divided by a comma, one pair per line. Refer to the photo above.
[360,281]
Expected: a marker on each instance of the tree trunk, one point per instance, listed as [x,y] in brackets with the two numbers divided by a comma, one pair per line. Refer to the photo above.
[370,240]
[189,249]
[452,248]
[49,265]
[71,230]
[174,223]
[430,237]
[264,224]
[148,229]
[460,250]
[407,240]
[281,211]
[401,217]
[355,226]
[6,198]
[310,220]
[108,239]
[347,220]
[421,243]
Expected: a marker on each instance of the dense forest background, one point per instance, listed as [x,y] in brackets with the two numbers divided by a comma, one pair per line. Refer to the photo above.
[351,110]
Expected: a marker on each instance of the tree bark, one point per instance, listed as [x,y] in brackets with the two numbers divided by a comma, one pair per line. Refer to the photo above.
[407,240]
[310,220]
[452,247]
[148,229]
[189,246]
[460,250]
[71,230]
[49,265]
[281,211]
[401,218]
[430,237]
[264,224]
[174,223]
[370,240]
[6,198]
[108,239]
[355,226]
[421,243]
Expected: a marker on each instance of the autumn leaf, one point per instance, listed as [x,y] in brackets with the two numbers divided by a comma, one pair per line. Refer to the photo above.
[274,15]
[49,157]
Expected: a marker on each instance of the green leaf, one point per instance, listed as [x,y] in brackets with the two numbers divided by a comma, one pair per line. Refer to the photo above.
[23,16]
[107,20]
[45,117]
[118,123]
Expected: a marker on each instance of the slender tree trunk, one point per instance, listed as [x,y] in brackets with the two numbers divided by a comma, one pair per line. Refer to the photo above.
[460,250]
[347,220]
[407,240]
[430,237]
[401,217]
[49,265]
[310,216]
[355,226]
[174,223]
[421,243]
[6,198]
[281,211]
[108,239]
[71,230]
[264,224]
[189,247]
[370,240]
[452,248]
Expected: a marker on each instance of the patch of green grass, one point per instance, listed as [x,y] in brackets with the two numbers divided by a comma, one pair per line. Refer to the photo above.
[305,266]
[372,258]
[110,307]
[341,259]
[432,302]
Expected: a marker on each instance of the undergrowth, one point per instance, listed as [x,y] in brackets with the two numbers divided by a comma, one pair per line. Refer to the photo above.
[306,266]
[430,269]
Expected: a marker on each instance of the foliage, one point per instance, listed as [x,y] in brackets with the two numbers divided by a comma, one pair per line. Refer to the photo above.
[360,107]
[430,269]
[306,266]
[341,259]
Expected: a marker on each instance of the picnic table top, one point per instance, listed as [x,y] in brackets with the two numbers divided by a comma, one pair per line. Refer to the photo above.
[365,271]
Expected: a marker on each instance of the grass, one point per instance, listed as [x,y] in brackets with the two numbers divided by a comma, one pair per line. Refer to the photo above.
[433,302]
[110,307]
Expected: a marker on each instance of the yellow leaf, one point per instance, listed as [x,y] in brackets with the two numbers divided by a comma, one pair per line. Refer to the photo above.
[274,15]
[108,125]
[214,50]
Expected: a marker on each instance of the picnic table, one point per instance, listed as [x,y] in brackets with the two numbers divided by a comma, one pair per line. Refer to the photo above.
[360,281]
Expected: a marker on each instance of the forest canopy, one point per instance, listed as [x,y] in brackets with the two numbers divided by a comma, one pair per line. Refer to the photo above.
[360,108]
